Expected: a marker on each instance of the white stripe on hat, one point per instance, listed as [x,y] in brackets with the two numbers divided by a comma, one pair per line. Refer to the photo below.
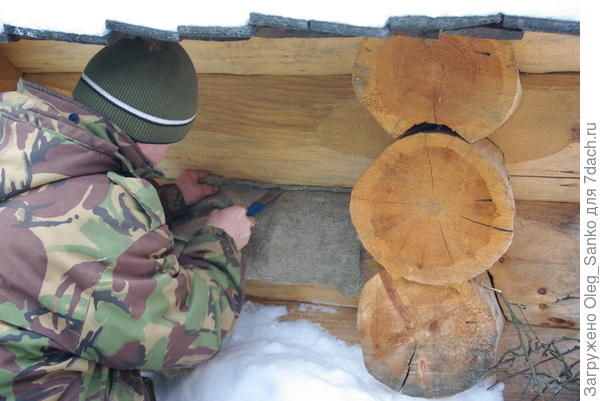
[132,110]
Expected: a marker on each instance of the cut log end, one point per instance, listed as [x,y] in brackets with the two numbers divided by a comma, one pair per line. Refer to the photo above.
[471,85]
[434,209]
[427,341]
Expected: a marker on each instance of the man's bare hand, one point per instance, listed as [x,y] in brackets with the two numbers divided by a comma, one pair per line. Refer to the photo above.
[235,223]
[190,189]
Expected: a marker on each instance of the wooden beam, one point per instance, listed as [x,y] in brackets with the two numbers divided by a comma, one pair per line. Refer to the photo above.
[312,131]
[541,52]
[537,52]
[542,136]
[541,266]
[548,189]
[9,74]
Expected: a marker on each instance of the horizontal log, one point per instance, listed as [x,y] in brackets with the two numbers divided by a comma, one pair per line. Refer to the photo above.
[537,52]
[298,293]
[312,131]
[548,189]
[540,52]
[342,325]
[9,74]
[546,121]
[540,270]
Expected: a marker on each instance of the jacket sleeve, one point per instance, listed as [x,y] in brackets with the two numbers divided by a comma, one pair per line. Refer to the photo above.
[173,203]
[153,311]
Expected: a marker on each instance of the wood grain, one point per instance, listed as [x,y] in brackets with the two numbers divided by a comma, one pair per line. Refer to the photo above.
[541,52]
[428,341]
[298,293]
[470,85]
[435,209]
[537,52]
[9,74]
[542,264]
[546,122]
[263,128]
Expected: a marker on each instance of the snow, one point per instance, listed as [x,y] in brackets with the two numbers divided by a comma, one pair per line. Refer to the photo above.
[76,16]
[267,360]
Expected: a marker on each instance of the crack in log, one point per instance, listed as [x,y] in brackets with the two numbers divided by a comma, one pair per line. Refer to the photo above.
[430,166]
[488,225]
[446,244]
[483,200]
[408,370]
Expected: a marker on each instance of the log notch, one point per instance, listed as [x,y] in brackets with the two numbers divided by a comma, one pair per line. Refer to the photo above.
[435,209]
[470,85]
[428,341]
[542,264]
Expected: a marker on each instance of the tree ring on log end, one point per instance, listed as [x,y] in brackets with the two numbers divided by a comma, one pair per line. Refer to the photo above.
[428,341]
[434,209]
[471,85]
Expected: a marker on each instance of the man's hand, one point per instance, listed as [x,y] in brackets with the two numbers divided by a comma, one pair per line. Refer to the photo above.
[190,189]
[233,221]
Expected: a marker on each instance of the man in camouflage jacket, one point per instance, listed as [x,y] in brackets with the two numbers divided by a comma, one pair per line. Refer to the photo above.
[91,290]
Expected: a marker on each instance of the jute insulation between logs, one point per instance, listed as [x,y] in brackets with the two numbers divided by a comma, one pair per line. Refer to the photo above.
[435,209]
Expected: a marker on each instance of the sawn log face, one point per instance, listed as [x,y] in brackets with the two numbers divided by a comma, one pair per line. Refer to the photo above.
[428,341]
[470,85]
[434,209]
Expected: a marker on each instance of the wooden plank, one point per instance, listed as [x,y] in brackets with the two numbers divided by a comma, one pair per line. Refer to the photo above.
[287,56]
[342,325]
[541,52]
[548,189]
[9,74]
[298,293]
[542,264]
[537,52]
[306,131]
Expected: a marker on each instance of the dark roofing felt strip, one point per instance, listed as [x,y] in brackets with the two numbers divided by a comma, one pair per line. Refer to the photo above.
[214,32]
[13,32]
[497,26]
[274,21]
[146,32]
[541,24]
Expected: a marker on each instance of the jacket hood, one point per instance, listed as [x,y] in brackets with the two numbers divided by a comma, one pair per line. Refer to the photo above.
[46,137]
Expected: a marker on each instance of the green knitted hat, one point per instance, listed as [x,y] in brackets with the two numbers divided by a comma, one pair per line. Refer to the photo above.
[147,88]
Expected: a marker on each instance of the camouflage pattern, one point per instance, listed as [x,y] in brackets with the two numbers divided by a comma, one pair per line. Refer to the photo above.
[91,291]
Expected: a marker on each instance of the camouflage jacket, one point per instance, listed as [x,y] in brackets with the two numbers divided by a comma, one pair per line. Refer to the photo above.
[91,290]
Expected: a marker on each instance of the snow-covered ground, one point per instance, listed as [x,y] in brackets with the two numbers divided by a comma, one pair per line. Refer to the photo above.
[268,360]
[76,16]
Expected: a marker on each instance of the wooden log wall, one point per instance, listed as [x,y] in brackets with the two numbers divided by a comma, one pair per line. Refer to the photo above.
[284,111]
[311,130]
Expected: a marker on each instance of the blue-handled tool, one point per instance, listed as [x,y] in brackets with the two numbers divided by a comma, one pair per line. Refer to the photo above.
[257,206]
